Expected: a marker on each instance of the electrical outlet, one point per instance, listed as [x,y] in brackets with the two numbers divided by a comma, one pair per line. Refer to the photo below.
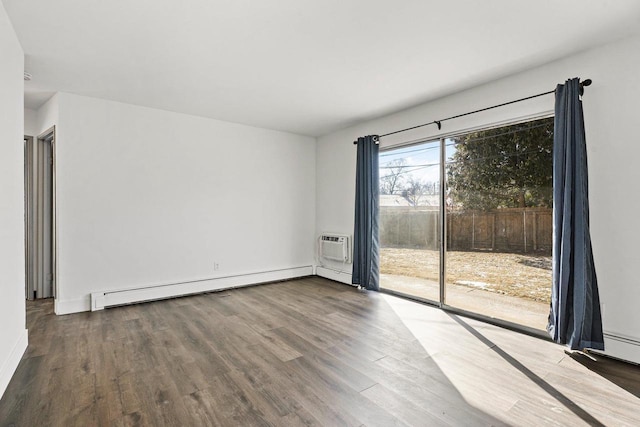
[216,266]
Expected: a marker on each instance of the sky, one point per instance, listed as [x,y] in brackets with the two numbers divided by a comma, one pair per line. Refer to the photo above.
[423,160]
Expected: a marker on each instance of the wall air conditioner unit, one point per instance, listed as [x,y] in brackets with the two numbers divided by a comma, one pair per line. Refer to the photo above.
[335,247]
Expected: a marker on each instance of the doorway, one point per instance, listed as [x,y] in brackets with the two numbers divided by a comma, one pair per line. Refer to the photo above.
[40,240]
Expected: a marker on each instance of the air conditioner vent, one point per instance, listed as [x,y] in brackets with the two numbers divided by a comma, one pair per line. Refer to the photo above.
[335,247]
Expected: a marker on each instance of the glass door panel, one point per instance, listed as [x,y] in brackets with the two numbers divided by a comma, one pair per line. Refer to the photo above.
[410,220]
[499,222]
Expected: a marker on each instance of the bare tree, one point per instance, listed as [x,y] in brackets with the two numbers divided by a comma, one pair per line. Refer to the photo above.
[392,176]
[415,190]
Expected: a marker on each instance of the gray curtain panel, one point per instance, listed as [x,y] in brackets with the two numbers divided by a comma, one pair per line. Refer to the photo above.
[575,318]
[366,247]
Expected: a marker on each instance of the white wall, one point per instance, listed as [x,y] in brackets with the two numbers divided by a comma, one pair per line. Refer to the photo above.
[150,197]
[610,106]
[30,122]
[40,120]
[13,335]
[47,116]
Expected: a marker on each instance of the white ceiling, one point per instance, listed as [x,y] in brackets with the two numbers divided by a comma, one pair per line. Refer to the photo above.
[304,66]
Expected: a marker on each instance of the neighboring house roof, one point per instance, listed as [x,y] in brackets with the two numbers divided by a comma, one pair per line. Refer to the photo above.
[398,200]
[393,200]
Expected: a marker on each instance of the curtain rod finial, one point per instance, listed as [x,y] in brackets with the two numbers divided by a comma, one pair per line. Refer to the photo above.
[583,84]
[375,138]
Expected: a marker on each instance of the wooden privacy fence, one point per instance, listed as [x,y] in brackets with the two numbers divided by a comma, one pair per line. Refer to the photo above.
[502,230]
[409,227]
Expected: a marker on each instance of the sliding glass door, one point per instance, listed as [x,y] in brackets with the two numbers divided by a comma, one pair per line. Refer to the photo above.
[496,206]
[410,220]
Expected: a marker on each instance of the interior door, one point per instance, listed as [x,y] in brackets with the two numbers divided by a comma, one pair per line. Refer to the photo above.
[39,216]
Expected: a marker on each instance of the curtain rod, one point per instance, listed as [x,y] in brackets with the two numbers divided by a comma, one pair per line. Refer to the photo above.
[584,83]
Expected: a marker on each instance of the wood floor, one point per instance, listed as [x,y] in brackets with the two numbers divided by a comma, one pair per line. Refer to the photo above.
[303,352]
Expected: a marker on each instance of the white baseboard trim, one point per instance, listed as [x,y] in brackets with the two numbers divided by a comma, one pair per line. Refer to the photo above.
[337,275]
[621,346]
[101,300]
[11,364]
[61,307]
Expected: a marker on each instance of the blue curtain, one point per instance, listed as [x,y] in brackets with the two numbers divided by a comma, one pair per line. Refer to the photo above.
[575,318]
[366,248]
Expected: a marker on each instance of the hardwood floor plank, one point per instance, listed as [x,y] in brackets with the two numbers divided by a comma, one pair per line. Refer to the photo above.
[340,394]
[317,401]
[261,396]
[16,408]
[233,403]
[201,405]
[276,345]
[299,418]
[256,315]
[303,322]
[400,407]
[433,393]
[306,352]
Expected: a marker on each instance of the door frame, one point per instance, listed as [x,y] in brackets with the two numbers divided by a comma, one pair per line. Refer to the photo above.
[28,214]
[48,136]
[442,302]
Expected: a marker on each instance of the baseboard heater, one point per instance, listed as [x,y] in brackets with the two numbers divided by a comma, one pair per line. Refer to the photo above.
[337,275]
[621,347]
[101,300]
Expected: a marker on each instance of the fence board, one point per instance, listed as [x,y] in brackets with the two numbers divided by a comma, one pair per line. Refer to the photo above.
[504,230]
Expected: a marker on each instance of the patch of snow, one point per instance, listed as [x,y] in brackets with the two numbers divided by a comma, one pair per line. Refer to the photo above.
[481,285]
